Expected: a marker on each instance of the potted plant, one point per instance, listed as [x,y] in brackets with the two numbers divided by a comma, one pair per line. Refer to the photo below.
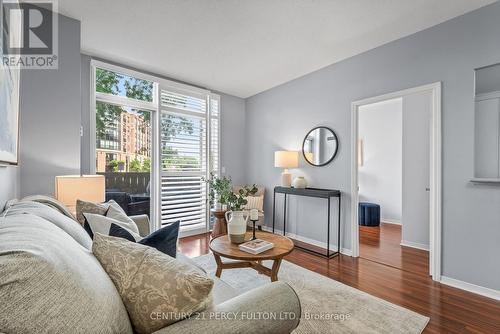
[219,191]
[237,218]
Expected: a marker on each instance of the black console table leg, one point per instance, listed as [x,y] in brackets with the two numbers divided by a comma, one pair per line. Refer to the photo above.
[328,231]
[338,235]
[284,218]
[274,206]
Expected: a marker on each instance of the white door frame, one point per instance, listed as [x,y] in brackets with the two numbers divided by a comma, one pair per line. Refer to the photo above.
[435,172]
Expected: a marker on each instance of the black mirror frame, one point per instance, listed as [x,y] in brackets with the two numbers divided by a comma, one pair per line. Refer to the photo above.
[334,155]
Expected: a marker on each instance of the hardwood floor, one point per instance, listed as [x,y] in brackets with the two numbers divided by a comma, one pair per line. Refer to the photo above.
[450,310]
[382,244]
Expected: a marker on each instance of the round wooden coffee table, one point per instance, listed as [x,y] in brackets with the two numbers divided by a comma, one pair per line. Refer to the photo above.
[222,247]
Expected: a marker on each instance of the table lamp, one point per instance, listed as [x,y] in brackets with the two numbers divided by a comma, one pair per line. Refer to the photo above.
[286,159]
[90,188]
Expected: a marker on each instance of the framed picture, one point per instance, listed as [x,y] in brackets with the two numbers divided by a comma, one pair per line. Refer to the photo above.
[9,100]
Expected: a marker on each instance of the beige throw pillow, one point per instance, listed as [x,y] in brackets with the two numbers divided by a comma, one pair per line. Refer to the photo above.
[88,207]
[96,208]
[255,202]
[157,290]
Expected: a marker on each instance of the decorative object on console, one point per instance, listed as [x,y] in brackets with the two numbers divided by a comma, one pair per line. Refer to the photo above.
[320,146]
[286,159]
[70,188]
[254,217]
[299,182]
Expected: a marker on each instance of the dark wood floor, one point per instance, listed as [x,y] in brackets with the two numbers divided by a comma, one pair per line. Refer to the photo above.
[382,244]
[450,310]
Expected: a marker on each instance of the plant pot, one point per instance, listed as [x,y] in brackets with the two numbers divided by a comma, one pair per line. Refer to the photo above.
[236,225]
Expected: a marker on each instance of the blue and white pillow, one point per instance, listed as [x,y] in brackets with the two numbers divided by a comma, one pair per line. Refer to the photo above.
[164,239]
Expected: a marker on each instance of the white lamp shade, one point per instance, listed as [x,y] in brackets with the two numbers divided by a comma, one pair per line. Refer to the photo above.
[286,159]
[90,188]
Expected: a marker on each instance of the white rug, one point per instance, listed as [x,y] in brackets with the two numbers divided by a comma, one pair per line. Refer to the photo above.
[350,310]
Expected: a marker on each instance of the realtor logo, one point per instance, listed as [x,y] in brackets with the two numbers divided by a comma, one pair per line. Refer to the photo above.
[29,33]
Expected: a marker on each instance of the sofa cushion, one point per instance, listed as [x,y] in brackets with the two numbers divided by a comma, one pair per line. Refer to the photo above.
[119,214]
[96,223]
[96,208]
[157,290]
[49,283]
[164,239]
[50,215]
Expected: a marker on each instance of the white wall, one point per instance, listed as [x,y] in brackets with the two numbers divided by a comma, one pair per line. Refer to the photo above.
[380,176]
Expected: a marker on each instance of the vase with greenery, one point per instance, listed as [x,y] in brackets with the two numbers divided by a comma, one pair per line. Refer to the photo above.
[236,217]
[219,190]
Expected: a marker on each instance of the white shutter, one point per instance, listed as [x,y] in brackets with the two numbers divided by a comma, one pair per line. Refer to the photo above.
[214,147]
[189,151]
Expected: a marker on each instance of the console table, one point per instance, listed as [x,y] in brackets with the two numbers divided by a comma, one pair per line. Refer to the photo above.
[311,192]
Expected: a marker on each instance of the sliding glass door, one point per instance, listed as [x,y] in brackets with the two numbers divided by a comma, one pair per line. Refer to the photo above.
[189,129]
[155,140]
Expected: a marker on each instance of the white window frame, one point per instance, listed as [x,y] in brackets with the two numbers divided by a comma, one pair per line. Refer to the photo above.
[155,109]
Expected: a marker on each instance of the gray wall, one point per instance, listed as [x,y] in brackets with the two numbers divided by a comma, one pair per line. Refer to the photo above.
[233,154]
[488,79]
[9,184]
[50,116]
[279,118]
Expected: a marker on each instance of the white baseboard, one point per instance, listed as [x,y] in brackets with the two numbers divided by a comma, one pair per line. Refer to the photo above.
[389,221]
[414,245]
[480,290]
[345,251]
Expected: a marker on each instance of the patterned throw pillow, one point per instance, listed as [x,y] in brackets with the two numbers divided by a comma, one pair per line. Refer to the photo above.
[157,290]
[255,202]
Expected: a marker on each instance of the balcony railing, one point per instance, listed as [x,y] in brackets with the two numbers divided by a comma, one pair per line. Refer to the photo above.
[129,182]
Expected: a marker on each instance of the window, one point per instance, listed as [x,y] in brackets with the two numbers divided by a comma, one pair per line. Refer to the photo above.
[189,151]
[123,135]
[140,117]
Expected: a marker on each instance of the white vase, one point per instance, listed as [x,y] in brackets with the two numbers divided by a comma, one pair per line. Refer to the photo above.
[299,182]
[237,226]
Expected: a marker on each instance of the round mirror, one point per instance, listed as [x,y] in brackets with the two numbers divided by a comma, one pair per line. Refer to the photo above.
[320,146]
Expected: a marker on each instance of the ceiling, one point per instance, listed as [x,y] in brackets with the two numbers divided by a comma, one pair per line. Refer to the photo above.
[243,47]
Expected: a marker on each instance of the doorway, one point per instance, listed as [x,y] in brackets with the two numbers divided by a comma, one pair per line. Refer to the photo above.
[396,173]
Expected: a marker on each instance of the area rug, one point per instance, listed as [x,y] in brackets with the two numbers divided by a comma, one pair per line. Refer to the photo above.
[328,306]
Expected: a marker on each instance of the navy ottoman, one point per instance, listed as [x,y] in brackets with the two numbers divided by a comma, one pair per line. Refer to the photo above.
[368,214]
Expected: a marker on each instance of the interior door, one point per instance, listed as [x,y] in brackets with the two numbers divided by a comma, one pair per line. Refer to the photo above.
[417,113]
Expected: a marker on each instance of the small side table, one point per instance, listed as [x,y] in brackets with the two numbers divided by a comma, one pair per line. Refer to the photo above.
[220,225]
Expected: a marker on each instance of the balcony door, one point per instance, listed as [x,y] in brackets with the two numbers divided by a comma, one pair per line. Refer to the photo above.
[155,140]
[189,150]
